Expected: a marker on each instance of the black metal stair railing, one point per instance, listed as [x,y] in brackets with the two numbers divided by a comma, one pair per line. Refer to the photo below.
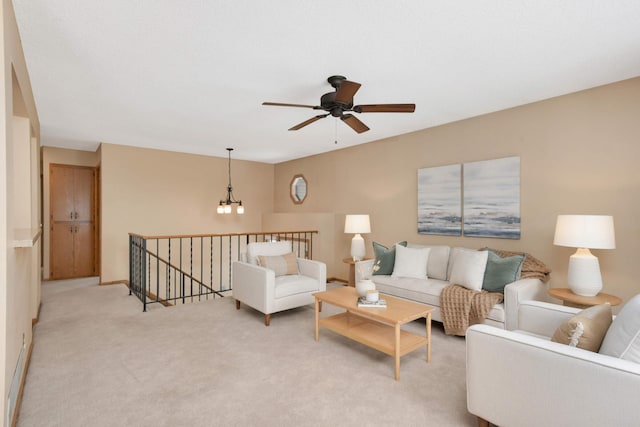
[189,268]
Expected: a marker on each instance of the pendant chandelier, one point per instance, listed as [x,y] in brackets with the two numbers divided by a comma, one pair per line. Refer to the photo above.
[225,206]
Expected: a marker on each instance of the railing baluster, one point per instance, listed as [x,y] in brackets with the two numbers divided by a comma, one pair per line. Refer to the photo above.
[158,269]
[220,264]
[211,263]
[168,293]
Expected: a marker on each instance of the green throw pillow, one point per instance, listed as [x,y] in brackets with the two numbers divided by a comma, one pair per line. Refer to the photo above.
[385,258]
[501,271]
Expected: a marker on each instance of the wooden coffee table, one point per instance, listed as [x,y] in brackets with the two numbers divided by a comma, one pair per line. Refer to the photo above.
[376,327]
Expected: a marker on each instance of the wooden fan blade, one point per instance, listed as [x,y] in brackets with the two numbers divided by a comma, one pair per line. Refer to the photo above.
[354,123]
[385,108]
[308,122]
[280,104]
[346,90]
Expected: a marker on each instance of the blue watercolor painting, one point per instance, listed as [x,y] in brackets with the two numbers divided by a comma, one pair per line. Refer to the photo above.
[492,198]
[440,200]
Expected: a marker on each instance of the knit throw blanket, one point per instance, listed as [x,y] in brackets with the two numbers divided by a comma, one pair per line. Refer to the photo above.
[532,267]
[461,307]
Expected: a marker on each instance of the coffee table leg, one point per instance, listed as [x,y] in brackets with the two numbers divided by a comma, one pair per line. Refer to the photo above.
[428,337]
[317,317]
[397,352]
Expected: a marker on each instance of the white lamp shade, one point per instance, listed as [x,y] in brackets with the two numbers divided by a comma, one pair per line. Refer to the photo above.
[585,231]
[357,224]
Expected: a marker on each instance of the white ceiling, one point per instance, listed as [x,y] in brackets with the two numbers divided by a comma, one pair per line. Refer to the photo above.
[190,75]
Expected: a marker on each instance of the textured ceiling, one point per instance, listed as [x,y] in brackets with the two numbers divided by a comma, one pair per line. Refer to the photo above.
[191,75]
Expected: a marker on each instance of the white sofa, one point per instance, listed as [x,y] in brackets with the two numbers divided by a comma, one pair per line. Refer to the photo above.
[439,266]
[260,288]
[520,378]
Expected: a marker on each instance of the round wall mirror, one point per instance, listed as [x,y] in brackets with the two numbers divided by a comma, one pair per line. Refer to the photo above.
[298,189]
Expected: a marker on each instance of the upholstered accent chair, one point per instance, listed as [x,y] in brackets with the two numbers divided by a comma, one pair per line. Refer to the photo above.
[271,279]
[527,377]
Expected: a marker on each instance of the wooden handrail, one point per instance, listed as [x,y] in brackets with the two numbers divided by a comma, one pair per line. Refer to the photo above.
[186,236]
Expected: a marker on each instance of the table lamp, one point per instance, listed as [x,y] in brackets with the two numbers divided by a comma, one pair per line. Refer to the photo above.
[584,232]
[357,224]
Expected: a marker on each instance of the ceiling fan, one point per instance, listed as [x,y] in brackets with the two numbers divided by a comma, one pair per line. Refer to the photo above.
[340,102]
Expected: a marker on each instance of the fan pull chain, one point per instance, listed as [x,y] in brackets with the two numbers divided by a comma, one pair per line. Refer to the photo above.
[335,123]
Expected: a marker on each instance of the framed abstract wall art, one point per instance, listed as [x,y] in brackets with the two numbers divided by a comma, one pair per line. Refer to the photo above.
[492,198]
[440,200]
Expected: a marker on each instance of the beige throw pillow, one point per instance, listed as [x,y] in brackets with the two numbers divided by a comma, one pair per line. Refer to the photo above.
[282,265]
[586,329]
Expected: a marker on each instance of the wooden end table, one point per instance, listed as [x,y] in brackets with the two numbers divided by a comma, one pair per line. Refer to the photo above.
[352,269]
[578,301]
[376,327]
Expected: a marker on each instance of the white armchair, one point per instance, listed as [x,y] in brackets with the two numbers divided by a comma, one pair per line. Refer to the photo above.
[260,288]
[520,378]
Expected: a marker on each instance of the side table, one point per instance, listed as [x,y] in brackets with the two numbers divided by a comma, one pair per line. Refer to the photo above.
[352,269]
[578,301]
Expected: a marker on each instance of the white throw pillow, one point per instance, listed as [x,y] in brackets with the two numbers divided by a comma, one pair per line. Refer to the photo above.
[438,260]
[411,262]
[468,269]
[623,337]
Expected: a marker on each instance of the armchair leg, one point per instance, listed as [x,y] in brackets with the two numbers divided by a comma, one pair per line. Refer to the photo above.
[267,319]
[482,422]
[237,305]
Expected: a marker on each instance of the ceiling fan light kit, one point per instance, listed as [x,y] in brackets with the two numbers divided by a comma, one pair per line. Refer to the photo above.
[340,101]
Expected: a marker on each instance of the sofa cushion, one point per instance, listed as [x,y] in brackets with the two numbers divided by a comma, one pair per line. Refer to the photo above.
[623,337]
[501,271]
[282,265]
[256,249]
[426,291]
[468,269]
[294,284]
[423,290]
[586,329]
[385,258]
[438,261]
[410,262]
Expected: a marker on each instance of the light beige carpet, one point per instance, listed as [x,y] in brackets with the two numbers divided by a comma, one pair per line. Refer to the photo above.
[98,360]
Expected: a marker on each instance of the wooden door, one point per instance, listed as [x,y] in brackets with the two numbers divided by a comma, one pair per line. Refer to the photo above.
[61,193]
[62,263]
[83,185]
[83,247]
[73,221]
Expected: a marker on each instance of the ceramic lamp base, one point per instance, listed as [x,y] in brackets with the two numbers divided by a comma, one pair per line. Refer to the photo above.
[357,247]
[584,276]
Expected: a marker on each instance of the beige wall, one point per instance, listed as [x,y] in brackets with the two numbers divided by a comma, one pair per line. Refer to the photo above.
[65,157]
[323,242]
[579,154]
[19,209]
[154,192]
